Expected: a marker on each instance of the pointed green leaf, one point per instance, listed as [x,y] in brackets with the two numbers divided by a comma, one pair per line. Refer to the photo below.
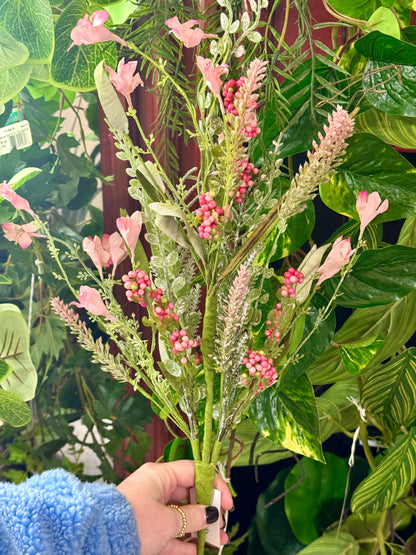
[385,171]
[385,21]
[390,480]
[13,409]
[74,69]
[357,355]
[387,49]
[317,500]
[334,408]
[379,276]
[390,391]
[12,52]
[335,543]
[22,176]
[14,351]
[359,9]
[289,417]
[13,81]
[30,23]
[110,102]
[392,129]
[391,89]
[394,322]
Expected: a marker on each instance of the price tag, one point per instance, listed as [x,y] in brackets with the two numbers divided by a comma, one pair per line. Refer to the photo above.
[17,135]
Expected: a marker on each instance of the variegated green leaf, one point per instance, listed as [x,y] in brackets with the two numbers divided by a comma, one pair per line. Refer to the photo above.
[335,543]
[357,355]
[13,81]
[392,129]
[289,417]
[13,409]
[390,392]
[12,52]
[390,480]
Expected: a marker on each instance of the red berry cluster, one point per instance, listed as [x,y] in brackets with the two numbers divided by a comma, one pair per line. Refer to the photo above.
[231,91]
[210,215]
[258,365]
[247,171]
[163,313]
[291,277]
[181,342]
[272,328]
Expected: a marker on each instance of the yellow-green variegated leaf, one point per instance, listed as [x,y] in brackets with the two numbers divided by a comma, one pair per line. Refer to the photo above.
[390,392]
[395,130]
[390,480]
[335,543]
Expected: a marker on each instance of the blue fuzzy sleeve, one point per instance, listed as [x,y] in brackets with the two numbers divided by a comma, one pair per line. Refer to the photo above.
[54,513]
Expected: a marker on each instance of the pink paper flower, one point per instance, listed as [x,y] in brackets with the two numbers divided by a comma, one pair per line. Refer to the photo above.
[129,228]
[21,234]
[90,30]
[90,299]
[339,255]
[368,207]
[108,251]
[123,79]
[212,74]
[183,32]
[15,200]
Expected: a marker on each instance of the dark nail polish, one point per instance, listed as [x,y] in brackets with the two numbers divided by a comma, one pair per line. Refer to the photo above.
[212,514]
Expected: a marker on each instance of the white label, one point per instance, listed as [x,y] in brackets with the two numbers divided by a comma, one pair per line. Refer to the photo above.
[17,135]
[213,530]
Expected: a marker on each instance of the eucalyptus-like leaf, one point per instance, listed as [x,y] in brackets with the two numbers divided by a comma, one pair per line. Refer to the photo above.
[385,171]
[12,52]
[110,102]
[74,69]
[390,480]
[391,88]
[289,417]
[390,391]
[30,23]
[14,351]
[13,409]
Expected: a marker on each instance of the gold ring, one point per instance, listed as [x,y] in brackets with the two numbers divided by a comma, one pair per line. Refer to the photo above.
[184,522]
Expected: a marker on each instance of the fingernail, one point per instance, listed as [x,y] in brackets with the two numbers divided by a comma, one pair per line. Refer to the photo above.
[232,509]
[212,514]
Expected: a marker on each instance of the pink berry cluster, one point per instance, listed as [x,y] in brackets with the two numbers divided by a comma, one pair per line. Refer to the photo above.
[247,171]
[181,342]
[291,277]
[259,366]
[272,330]
[231,91]
[138,285]
[210,215]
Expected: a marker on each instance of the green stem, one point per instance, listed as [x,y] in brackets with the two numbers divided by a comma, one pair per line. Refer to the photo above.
[366,447]
[380,533]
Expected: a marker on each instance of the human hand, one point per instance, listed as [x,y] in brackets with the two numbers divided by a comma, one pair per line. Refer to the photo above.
[151,488]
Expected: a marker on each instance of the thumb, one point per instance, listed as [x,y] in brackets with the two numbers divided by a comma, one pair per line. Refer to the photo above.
[194,517]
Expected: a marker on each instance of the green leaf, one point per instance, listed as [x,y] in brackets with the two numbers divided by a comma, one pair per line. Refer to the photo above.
[385,21]
[390,391]
[359,9]
[110,102]
[13,81]
[391,89]
[395,130]
[289,417]
[335,543]
[74,70]
[394,322]
[13,409]
[5,370]
[334,408]
[14,351]
[379,276]
[387,49]
[390,480]
[30,23]
[12,52]
[316,343]
[22,176]
[73,165]
[271,522]
[316,502]
[385,171]
[356,356]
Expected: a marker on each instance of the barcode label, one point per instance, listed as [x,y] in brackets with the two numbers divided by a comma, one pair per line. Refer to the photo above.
[17,136]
